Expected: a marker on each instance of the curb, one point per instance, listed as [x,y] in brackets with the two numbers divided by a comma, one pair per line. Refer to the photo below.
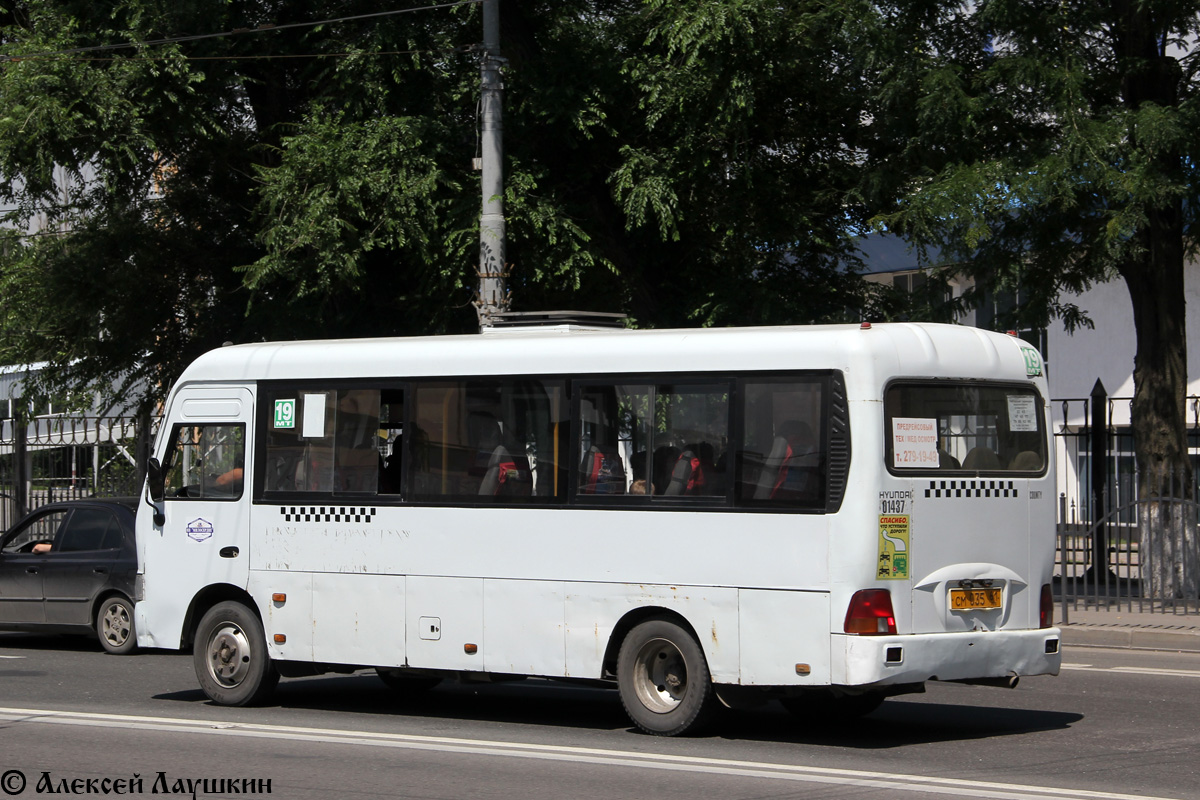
[1180,639]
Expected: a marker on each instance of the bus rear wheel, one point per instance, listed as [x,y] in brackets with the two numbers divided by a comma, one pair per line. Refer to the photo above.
[663,679]
[231,658]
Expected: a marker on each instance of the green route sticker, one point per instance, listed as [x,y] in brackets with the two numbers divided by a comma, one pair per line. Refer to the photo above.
[285,414]
[1033,362]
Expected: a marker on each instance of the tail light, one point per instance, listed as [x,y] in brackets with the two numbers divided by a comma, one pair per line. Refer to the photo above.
[870,613]
[1046,611]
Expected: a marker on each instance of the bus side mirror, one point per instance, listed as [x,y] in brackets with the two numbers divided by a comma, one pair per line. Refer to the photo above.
[157,489]
[154,480]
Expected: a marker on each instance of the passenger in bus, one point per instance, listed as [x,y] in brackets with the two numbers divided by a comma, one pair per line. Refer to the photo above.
[282,466]
[663,467]
[231,480]
[792,467]
[424,482]
[601,472]
[981,459]
[483,437]
[1026,461]
[389,469]
[228,483]
[637,465]
[691,472]
[714,479]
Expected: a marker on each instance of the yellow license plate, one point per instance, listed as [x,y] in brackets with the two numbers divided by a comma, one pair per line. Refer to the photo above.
[963,599]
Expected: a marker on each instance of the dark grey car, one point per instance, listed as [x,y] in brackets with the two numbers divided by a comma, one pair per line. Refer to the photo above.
[69,567]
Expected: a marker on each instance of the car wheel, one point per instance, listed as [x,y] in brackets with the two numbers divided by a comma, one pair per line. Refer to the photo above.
[114,626]
[230,656]
[663,679]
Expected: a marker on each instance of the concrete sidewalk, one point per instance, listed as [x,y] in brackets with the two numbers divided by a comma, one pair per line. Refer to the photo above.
[1100,627]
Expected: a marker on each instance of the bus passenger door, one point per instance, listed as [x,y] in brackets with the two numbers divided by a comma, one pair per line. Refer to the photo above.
[204,539]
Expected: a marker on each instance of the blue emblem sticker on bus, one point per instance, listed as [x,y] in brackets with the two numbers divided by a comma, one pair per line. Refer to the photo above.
[199,529]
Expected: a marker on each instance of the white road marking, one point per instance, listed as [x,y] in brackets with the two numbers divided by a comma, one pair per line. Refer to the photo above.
[1174,673]
[12,656]
[618,758]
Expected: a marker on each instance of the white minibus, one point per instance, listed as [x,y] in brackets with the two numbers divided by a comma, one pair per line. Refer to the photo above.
[823,515]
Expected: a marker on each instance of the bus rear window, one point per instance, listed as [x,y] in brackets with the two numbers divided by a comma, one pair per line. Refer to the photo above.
[964,427]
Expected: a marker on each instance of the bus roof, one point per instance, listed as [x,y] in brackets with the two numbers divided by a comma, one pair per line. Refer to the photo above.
[915,349]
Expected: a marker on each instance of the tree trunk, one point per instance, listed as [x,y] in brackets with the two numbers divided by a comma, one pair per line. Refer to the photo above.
[1154,275]
[1156,287]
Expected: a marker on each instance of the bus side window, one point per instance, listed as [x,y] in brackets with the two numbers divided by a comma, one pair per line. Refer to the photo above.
[608,419]
[695,422]
[782,456]
[659,440]
[322,441]
[391,432]
[489,440]
[356,437]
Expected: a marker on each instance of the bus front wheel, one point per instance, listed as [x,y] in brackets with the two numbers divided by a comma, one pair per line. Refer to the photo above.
[231,658]
[663,679]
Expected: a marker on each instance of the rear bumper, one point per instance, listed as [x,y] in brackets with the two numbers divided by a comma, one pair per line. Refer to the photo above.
[915,658]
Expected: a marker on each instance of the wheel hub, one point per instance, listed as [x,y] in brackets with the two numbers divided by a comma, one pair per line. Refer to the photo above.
[660,676]
[116,625]
[229,655]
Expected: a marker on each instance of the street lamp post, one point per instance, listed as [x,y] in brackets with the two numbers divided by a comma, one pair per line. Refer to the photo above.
[492,298]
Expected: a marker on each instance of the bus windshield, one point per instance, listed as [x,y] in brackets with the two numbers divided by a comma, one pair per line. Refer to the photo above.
[964,427]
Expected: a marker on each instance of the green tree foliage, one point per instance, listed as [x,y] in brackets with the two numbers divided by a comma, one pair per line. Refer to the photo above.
[687,163]
[1049,145]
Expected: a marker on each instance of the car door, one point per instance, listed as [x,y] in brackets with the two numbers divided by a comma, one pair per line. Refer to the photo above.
[21,569]
[80,565]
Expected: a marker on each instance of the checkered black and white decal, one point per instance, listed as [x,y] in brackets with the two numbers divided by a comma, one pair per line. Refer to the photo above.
[326,513]
[971,489]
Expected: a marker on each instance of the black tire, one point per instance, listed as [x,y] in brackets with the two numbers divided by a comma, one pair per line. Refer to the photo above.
[825,706]
[230,656]
[663,679]
[398,680]
[114,626]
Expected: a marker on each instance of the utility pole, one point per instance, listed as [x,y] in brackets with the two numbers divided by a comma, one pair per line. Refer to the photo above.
[492,298]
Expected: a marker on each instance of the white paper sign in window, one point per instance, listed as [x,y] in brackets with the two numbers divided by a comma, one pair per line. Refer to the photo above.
[1022,413]
[914,443]
[314,416]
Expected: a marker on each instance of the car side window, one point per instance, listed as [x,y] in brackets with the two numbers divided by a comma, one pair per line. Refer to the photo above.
[41,529]
[90,529]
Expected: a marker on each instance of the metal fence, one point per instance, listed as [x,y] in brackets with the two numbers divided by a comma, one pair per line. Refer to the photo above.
[61,457]
[1117,549]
